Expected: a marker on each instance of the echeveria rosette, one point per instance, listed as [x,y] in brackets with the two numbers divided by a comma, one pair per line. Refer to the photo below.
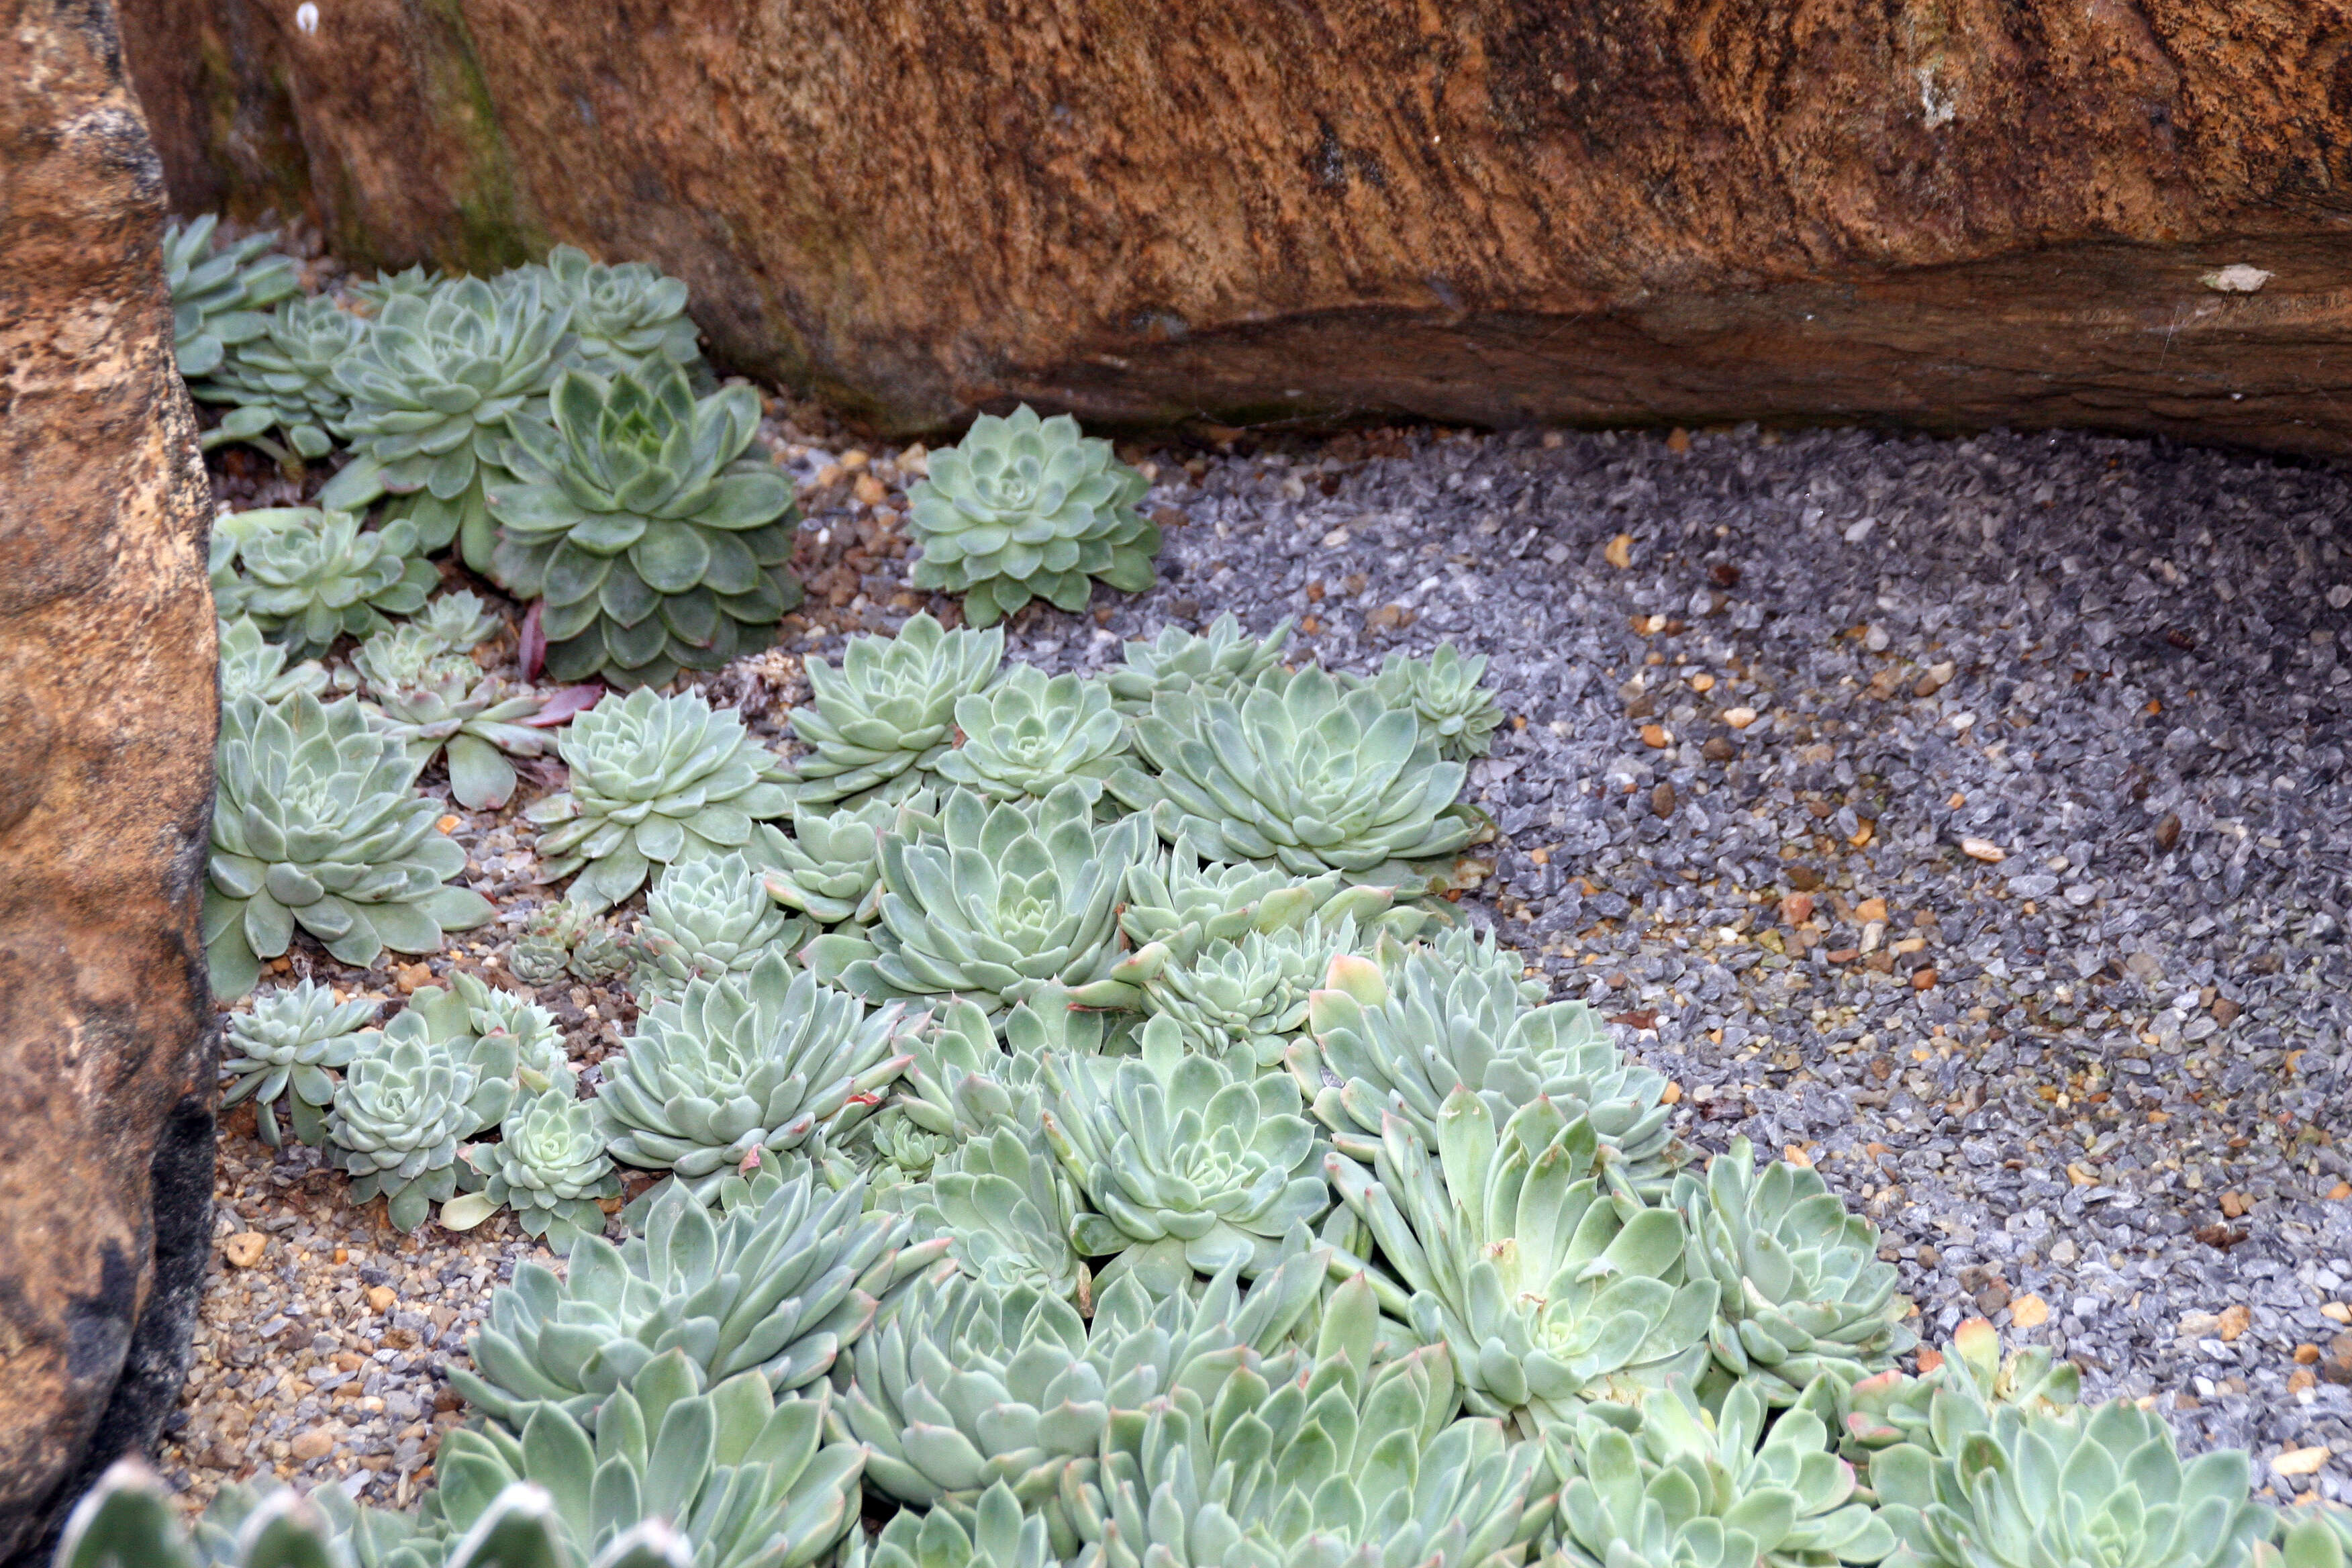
[830,866]
[1025,507]
[404,1107]
[999,1535]
[220,298]
[308,577]
[1027,734]
[1245,998]
[253,665]
[1008,1210]
[1551,1286]
[787,1278]
[998,901]
[316,824]
[709,918]
[494,1013]
[882,720]
[549,1166]
[283,380]
[633,514]
[654,780]
[288,1041]
[1189,1163]
[458,621]
[1221,660]
[435,389]
[624,317]
[1301,771]
[563,939]
[374,293]
[1457,714]
[1803,1291]
[439,703]
[1175,899]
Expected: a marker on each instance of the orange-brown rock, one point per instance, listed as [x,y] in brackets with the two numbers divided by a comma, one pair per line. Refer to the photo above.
[1945,212]
[107,713]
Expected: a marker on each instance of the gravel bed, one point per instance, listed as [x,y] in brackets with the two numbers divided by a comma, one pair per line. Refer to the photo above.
[1969,818]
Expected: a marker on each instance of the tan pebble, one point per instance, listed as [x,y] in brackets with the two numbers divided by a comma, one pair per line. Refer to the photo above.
[2029,1312]
[1923,980]
[1662,800]
[1740,718]
[2234,1321]
[1796,909]
[245,1248]
[410,977]
[1702,683]
[380,1298]
[2301,1461]
[871,490]
[1870,909]
[1983,849]
[2341,1190]
[2307,1355]
[316,1444]
[855,459]
[2300,1379]
[1655,737]
[1620,552]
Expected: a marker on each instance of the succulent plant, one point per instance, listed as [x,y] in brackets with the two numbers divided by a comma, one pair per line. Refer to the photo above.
[309,578]
[2106,1487]
[882,720]
[1245,996]
[1458,716]
[999,1536]
[656,543]
[830,869]
[218,298]
[1219,661]
[435,389]
[1803,1290]
[252,666]
[282,380]
[436,703]
[629,317]
[1027,734]
[998,901]
[549,1166]
[1173,899]
[1468,948]
[654,780]
[315,824]
[788,1277]
[1549,1282]
[287,1041]
[1026,508]
[962,1387]
[1008,1209]
[962,1082]
[1680,1475]
[404,1106]
[374,293]
[1299,770]
[1397,1039]
[536,1037]
[1344,1463]
[458,621]
[129,1520]
[744,1478]
[564,939]
[1187,1160]
[1933,1409]
[765,1060]
[709,918]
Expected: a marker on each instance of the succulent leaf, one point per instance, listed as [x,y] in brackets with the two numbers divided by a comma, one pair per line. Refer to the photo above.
[404,1106]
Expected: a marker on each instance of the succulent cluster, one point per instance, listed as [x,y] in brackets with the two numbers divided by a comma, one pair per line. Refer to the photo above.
[308,577]
[437,703]
[219,296]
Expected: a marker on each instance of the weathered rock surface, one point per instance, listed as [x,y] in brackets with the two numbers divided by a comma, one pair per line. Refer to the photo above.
[1945,212]
[107,715]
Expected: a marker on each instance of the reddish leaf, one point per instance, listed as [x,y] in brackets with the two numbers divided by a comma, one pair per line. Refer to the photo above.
[564,704]
[534,642]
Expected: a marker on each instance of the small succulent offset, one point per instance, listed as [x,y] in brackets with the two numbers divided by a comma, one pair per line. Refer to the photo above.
[219,298]
[830,869]
[1190,1165]
[654,780]
[629,316]
[1026,508]
[404,1107]
[1247,996]
[436,702]
[283,380]
[549,1166]
[564,939]
[1027,734]
[709,918]
[634,513]
[458,621]
[882,720]
[287,1041]
[1298,770]
[315,824]
[253,665]
[309,578]
[435,388]
[374,293]
[1803,1290]
[1220,660]
[1958,1396]
[1173,899]
[1458,716]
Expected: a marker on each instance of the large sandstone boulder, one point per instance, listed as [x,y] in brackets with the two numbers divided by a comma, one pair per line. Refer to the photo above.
[107,714]
[1947,212]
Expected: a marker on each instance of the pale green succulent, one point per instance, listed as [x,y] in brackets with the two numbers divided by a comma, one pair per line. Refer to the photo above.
[1674,1472]
[253,665]
[240,1513]
[374,293]
[780,1284]
[287,1041]
[1513,1245]
[308,577]
[1934,1409]
[744,1478]
[962,1082]
[436,387]
[997,901]
[1397,1037]
[1174,898]
[458,621]
[709,918]
[282,380]
[315,823]
[1300,771]
[2315,1535]
[1008,1211]
[629,317]
[219,298]
[538,1039]
[1457,715]
[2104,1488]
[634,512]
[999,1536]
[404,1106]
[1345,1463]
[438,703]
[964,1387]
[1245,998]
[564,939]
[549,1166]
[882,720]
[1803,1290]
[1027,734]
[830,869]
[768,1059]
[1221,660]
[1467,948]
[1187,1162]
[654,780]
[1026,508]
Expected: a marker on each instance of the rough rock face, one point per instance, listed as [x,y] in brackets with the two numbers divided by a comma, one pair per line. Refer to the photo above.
[106,712]
[1943,212]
